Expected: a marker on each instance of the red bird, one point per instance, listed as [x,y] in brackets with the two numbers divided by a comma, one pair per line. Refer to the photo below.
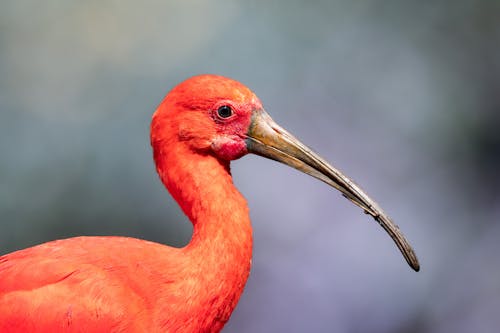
[120,284]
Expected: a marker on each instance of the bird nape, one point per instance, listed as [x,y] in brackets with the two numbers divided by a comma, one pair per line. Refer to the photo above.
[120,284]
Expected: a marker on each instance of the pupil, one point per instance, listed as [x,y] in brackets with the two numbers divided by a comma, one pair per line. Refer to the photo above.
[224,111]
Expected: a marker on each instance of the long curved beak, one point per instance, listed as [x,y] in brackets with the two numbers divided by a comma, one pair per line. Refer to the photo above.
[266,138]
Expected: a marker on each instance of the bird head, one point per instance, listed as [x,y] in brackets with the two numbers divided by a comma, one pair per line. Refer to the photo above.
[219,116]
[210,114]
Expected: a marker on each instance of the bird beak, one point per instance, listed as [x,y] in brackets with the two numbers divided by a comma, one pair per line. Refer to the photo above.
[268,139]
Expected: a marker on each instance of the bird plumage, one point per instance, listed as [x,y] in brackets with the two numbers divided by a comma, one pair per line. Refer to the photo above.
[118,284]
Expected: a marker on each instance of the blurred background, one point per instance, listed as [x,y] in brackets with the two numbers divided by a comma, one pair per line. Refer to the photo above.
[403,96]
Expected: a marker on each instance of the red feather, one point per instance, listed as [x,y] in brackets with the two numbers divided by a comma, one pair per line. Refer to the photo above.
[118,284]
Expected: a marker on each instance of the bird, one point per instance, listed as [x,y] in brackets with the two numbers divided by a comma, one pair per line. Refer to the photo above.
[124,284]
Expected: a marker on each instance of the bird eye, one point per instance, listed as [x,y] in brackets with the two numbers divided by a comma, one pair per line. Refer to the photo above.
[224,112]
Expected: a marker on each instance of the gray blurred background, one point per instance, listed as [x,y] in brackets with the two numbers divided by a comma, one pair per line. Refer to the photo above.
[403,96]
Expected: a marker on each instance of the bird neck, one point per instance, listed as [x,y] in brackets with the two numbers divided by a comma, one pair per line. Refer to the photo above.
[221,245]
[203,187]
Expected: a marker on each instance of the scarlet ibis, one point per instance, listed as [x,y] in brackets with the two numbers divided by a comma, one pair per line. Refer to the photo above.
[120,284]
